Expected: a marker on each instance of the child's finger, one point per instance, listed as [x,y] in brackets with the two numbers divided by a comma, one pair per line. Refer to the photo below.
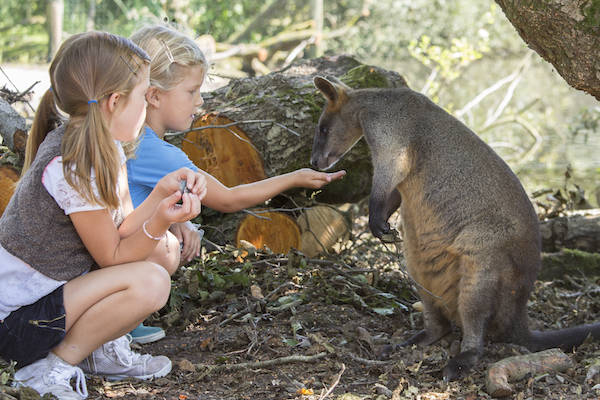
[337,175]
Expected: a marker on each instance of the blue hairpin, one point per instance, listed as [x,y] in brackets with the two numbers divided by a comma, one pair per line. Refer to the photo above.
[92,101]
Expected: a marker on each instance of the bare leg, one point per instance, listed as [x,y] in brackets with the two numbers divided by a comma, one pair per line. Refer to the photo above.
[105,304]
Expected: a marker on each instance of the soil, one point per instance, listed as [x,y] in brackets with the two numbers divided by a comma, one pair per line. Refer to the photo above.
[255,325]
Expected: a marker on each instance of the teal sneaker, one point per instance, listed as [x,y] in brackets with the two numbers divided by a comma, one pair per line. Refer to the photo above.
[146,334]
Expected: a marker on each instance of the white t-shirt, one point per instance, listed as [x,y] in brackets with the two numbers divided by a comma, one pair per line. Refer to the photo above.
[21,285]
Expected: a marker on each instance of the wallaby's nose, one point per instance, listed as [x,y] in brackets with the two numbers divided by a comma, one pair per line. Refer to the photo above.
[313,162]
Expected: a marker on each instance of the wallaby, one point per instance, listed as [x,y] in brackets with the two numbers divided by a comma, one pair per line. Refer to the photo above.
[471,235]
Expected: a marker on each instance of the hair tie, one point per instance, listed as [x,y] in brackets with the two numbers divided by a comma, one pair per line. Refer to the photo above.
[50,89]
[92,101]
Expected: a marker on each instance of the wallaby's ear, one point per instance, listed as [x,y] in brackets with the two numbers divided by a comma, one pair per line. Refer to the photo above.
[326,88]
[334,92]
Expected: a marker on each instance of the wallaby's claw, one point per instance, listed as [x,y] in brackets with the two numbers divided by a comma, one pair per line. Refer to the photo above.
[391,237]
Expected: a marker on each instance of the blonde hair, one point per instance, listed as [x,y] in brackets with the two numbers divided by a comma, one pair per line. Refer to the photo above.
[88,66]
[170,50]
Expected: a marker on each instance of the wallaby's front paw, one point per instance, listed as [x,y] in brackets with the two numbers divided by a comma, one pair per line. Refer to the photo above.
[380,229]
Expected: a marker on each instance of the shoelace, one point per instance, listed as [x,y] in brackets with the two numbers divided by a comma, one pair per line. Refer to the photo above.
[61,374]
[123,353]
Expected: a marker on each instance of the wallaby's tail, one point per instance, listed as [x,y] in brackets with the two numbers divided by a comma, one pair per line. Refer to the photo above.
[566,339]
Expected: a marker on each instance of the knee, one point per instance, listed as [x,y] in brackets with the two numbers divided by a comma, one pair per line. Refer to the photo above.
[153,286]
[167,254]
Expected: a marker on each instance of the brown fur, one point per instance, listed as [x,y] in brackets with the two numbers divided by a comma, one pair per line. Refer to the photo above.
[471,235]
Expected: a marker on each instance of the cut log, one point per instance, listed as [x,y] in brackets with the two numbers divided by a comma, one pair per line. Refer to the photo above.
[275,230]
[13,128]
[9,176]
[225,151]
[322,227]
[289,106]
[578,231]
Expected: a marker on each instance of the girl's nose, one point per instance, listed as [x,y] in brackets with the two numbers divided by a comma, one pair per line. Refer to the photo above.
[200,101]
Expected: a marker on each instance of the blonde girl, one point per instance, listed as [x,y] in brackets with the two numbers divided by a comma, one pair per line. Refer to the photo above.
[177,71]
[78,267]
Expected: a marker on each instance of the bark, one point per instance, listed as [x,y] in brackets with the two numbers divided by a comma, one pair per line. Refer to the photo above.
[579,231]
[13,128]
[289,98]
[565,33]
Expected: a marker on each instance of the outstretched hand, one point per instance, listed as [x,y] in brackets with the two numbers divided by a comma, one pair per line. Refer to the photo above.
[312,179]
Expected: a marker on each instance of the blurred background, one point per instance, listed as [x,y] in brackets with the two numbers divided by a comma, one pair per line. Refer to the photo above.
[464,54]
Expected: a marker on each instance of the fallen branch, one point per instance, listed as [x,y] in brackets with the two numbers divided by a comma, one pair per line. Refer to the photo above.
[209,369]
[518,367]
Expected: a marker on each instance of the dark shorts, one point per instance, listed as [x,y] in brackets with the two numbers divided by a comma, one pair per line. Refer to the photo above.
[29,333]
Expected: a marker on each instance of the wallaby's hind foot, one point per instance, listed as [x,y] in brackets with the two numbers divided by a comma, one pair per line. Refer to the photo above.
[460,364]
[421,338]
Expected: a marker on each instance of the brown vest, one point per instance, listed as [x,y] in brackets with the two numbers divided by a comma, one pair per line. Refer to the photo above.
[35,229]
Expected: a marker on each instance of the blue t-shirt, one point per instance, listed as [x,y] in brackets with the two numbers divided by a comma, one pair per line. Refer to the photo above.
[154,158]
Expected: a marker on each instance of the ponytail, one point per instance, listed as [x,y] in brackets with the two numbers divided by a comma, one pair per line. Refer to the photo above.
[46,119]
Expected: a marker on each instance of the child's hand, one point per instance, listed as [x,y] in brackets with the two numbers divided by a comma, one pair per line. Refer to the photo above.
[187,234]
[196,182]
[312,179]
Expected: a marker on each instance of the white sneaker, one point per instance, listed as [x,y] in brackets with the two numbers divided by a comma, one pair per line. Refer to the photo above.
[115,360]
[53,375]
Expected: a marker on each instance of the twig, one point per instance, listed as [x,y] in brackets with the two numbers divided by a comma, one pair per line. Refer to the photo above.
[335,383]
[15,86]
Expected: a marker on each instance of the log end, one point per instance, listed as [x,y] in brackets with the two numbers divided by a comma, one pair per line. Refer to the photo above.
[321,228]
[224,151]
[276,231]
[8,180]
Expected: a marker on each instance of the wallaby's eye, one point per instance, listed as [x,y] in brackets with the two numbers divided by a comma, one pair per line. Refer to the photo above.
[323,130]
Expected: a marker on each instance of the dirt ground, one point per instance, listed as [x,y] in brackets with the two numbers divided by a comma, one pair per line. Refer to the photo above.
[267,326]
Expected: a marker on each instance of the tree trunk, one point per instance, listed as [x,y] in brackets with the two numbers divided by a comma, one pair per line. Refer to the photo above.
[565,33]
[55,13]
[91,16]
[289,107]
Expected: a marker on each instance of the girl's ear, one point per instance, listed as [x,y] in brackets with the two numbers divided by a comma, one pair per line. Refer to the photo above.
[112,101]
[153,96]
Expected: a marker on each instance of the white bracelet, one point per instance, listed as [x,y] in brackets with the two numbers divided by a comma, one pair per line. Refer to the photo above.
[149,235]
